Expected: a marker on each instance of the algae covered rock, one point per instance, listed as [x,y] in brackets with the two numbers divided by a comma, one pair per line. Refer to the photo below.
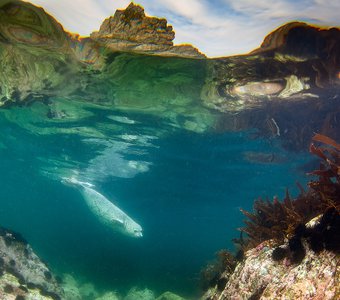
[34,52]
[140,294]
[259,275]
[22,272]
[109,296]
[305,267]
[169,296]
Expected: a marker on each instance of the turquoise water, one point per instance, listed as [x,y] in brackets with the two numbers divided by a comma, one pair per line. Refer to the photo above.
[185,188]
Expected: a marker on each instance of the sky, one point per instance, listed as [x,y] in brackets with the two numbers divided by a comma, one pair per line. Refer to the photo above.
[215,27]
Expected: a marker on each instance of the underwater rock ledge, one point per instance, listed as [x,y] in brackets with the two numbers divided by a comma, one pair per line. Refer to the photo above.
[258,276]
[22,274]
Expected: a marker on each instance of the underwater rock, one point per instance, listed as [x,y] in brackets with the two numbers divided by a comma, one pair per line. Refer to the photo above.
[132,30]
[267,274]
[109,296]
[22,272]
[169,296]
[138,294]
[75,290]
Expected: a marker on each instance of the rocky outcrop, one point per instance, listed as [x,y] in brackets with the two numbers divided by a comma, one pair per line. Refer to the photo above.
[132,30]
[22,273]
[291,60]
[132,25]
[304,40]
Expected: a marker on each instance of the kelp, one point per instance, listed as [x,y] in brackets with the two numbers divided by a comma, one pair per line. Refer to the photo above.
[282,221]
[278,220]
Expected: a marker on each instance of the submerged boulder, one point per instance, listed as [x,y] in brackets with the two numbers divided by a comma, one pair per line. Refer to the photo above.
[304,266]
[22,273]
[258,276]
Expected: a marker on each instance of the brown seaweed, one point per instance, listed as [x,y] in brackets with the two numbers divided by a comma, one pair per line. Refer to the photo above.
[277,220]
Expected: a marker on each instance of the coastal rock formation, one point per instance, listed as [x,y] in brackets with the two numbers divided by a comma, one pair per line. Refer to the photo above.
[301,39]
[293,62]
[27,34]
[274,88]
[132,25]
[131,64]
[290,248]
[132,30]
[22,273]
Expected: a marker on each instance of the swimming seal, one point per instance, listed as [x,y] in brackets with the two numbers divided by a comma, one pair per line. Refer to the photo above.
[108,213]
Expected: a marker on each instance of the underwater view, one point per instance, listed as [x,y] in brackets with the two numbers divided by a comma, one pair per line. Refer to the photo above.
[128,163]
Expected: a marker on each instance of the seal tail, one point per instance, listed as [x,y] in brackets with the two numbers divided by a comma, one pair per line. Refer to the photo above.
[73,181]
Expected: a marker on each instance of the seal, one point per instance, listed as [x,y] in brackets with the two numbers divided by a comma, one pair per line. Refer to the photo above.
[107,213]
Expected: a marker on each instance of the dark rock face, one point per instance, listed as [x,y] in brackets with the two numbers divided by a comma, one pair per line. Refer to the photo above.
[293,77]
[295,59]
[303,40]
